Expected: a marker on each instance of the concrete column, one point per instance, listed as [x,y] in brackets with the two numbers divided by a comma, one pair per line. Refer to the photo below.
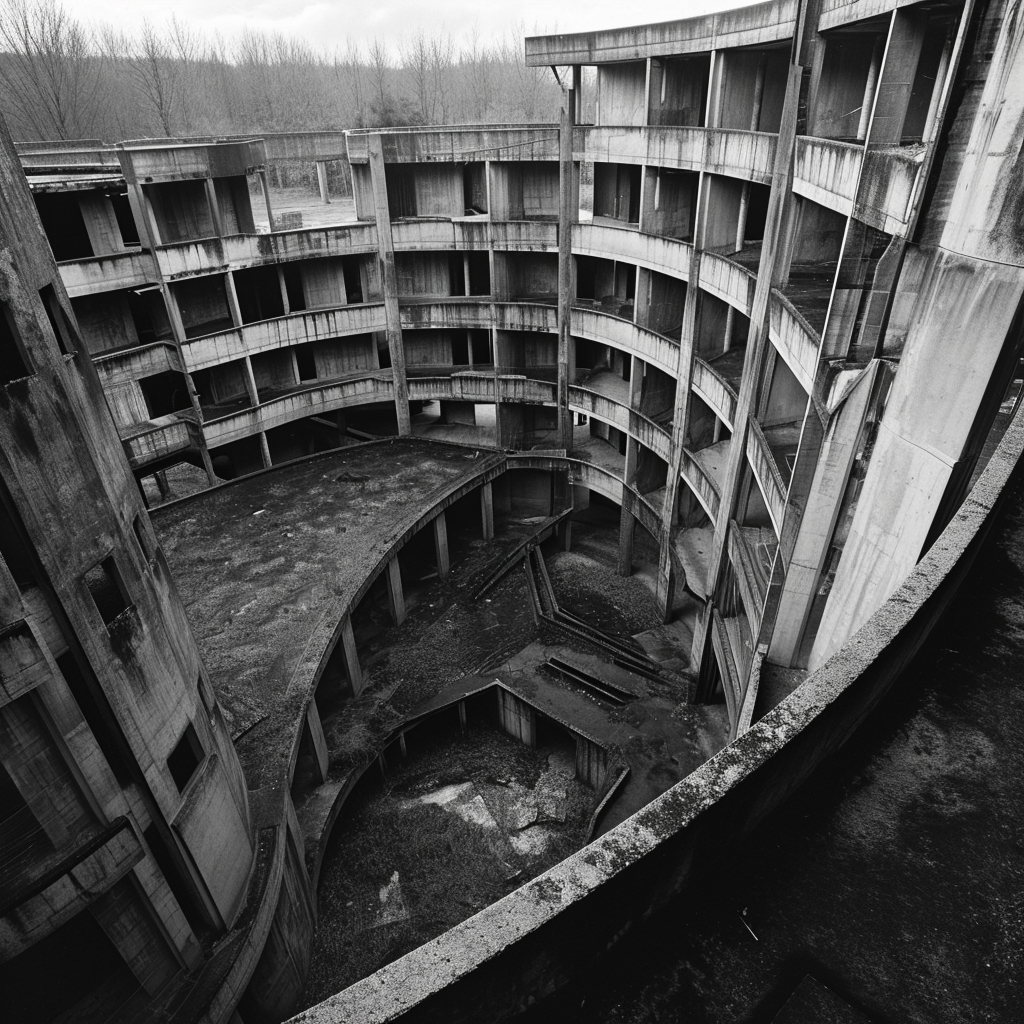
[265,450]
[755,114]
[487,510]
[284,290]
[211,477]
[389,282]
[568,211]
[317,741]
[229,290]
[211,198]
[321,179]
[465,274]
[101,224]
[896,80]
[817,526]
[566,535]
[869,89]
[133,932]
[265,188]
[627,528]
[931,120]
[396,598]
[462,715]
[441,544]
[250,382]
[741,220]
[347,639]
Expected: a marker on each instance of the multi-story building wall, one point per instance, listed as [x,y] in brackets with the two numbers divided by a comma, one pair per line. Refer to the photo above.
[768,304]
[126,842]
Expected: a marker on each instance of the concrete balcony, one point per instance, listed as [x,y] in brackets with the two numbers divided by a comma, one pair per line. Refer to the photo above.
[715,390]
[133,268]
[153,161]
[654,252]
[766,473]
[373,386]
[751,552]
[156,439]
[888,185]
[738,154]
[797,342]
[235,252]
[705,469]
[455,313]
[728,280]
[458,144]
[628,337]
[135,363]
[431,234]
[282,332]
[827,171]
[747,26]
[874,185]
[835,13]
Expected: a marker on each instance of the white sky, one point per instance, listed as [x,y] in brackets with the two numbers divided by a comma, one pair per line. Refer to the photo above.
[329,23]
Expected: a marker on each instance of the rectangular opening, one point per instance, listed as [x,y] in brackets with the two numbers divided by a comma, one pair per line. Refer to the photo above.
[62,329]
[107,590]
[140,535]
[306,362]
[185,758]
[14,362]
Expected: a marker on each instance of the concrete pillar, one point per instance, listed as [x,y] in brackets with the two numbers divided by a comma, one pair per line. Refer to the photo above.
[317,741]
[250,382]
[396,598]
[402,747]
[627,527]
[389,282]
[214,203]
[265,450]
[568,212]
[321,179]
[441,544]
[265,188]
[487,510]
[896,80]
[462,715]
[211,477]
[817,526]
[465,274]
[566,535]
[232,295]
[869,89]
[347,639]
[284,290]
[741,220]
[101,224]
[755,114]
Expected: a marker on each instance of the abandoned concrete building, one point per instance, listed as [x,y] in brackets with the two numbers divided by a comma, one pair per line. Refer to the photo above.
[767,307]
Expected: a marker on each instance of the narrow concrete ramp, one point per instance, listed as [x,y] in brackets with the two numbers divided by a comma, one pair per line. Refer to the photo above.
[813,1003]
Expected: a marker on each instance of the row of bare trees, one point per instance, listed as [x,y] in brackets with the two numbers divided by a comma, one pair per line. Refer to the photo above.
[63,79]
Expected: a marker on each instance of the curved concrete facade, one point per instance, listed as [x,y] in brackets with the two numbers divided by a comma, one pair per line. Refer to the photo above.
[768,304]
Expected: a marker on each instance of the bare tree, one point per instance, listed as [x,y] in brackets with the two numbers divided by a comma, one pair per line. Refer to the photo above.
[51,70]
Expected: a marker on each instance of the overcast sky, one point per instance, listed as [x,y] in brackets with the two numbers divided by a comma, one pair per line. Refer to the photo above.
[327,23]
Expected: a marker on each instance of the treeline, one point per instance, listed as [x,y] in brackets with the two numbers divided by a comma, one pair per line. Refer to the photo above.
[63,79]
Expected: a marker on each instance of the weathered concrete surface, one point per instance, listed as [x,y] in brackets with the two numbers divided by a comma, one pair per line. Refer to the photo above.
[897,880]
[262,561]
